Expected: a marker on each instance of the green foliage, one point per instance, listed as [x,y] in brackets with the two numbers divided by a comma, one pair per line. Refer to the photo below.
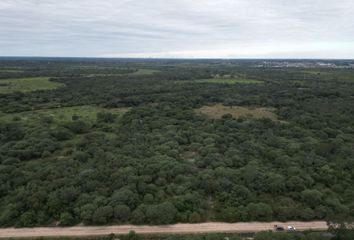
[57,115]
[122,213]
[275,236]
[259,211]
[126,147]
[138,216]
[106,117]
[77,127]
[102,215]
[163,213]
[27,85]
[228,81]
[66,219]
[86,212]
[131,236]
[293,236]
[342,231]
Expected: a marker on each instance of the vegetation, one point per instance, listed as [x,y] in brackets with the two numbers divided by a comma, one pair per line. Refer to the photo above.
[88,114]
[135,73]
[145,72]
[222,236]
[220,111]
[27,84]
[227,81]
[132,148]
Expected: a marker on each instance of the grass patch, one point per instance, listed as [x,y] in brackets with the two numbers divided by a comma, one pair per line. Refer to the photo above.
[64,114]
[144,72]
[27,85]
[217,111]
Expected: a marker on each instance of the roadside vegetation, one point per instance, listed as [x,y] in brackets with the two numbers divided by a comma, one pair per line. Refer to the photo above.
[134,148]
[341,235]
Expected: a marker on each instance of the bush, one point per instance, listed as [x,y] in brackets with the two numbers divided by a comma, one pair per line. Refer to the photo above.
[77,127]
[122,213]
[66,219]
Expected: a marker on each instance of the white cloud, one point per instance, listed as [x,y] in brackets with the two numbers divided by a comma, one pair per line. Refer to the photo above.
[178,28]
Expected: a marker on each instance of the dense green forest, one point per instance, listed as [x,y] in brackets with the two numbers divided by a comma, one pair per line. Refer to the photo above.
[124,141]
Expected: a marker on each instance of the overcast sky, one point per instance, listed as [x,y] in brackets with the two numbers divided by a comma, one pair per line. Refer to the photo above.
[178,28]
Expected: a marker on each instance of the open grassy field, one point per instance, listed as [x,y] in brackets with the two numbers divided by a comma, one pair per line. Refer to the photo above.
[144,72]
[217,111]
[64,114]
[27,85]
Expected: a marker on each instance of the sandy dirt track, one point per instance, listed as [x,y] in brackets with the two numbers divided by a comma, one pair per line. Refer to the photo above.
[167,229]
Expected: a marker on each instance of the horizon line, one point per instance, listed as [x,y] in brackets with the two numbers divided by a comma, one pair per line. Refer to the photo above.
[180,58]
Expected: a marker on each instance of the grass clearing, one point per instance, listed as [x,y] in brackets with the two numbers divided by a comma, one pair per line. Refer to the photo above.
[27,85]
[63,114]
[144,72]
[217,111]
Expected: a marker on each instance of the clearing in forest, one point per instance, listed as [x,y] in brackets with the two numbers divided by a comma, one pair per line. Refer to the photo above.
[27,85]
[85,113]
[144,72]
[217,111]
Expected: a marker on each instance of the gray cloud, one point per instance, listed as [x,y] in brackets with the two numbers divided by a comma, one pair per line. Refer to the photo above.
[178,28]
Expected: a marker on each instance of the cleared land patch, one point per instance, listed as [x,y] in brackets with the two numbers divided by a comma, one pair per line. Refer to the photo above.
[27,85]
[144,72]
[217,111]
[63,114]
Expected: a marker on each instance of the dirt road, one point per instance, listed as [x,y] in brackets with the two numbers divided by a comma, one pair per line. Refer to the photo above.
[167,229]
